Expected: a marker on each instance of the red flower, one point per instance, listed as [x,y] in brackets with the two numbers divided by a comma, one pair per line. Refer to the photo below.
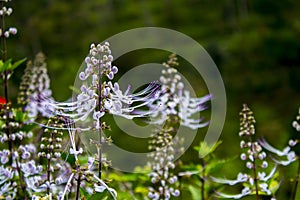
[2,101]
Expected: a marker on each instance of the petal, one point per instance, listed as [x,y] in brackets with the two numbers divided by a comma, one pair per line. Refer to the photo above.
[270,148]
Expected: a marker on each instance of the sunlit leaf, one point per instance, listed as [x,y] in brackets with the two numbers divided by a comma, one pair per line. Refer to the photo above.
[195,192]
[205,149]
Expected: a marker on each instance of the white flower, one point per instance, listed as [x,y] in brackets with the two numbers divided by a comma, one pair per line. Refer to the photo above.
[262,175]
[264,188]
[12,31]
[286,152]
[246,191]
[270,148]
[240,179]
[115,101]
[99,188]
[76,152]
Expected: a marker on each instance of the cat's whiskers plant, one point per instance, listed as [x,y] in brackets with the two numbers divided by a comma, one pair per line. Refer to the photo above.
[175,100]
[35,87]
[287,156]
[19,174]
[286,152]
[258,182]
[5,73]
[208,165]
[16,164]
[83,175]
[98,96]
[296,125]
[163,179]
[49,154]
[175,107]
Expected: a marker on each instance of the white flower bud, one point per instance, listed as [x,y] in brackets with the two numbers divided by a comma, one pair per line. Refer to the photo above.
[243,156]
[13,30]
[295,124]
[249,165]
[9,11]
[264,164]
[251,158]
[6,34]
[292,143]
[176,193]
[262,155]
[243,144]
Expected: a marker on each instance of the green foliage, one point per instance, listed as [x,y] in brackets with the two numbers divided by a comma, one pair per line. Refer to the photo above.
[205,149]
[103,195]
[9,66]
[254,43]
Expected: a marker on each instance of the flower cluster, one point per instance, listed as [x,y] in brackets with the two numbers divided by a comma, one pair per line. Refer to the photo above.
[287,155]
[175,107]
[162,179]
[83,176]
[4,11]
[17,166]
[98,95]
[55,170]
[35,87]
[175,100]
[259,182]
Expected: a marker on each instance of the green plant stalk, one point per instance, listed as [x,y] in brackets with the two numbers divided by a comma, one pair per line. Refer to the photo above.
[49,165]
[254,171]
[202,180]
[78,185]
[23,186]
[294,192]
[6,73]
[48,175]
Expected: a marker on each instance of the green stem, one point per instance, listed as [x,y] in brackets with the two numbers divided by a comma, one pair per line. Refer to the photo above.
[202,180]
[296,183]
[254,171]
[3,39]
[78,186]
[48,175]
[22,183]
[6,74]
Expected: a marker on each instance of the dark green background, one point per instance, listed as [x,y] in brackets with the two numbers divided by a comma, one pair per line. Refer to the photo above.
[255,44]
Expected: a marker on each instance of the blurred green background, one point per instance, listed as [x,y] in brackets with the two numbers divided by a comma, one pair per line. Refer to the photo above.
[255,44]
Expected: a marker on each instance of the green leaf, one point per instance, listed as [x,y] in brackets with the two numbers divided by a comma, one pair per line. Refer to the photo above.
[100,195]
[274,186]
[205,149]
[84,193]
[16,64]
[83,159]
[4,66]
[20,116]
[216,165]
[1,124]
[69,159]
[195,192]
